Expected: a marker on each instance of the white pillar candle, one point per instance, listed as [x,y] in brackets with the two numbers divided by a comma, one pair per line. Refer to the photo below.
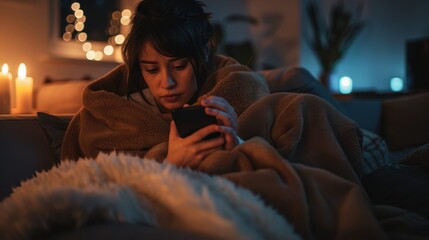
[5,81]
[24,91]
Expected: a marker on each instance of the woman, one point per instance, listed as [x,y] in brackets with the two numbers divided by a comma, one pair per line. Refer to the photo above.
[169,63]
[174,69]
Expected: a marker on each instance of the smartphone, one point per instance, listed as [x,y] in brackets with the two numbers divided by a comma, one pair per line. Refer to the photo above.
[190,119]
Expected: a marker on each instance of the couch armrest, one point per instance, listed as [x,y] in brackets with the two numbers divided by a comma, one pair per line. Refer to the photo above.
[406,121]
[24,149]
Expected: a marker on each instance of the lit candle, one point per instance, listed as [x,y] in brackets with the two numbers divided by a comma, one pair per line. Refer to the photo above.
[5,79]
[24,91]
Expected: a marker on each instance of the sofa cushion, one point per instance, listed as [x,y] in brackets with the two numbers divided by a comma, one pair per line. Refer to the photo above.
[61,97]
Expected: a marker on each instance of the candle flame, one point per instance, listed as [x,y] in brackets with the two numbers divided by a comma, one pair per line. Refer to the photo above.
[22,71]
[5,68]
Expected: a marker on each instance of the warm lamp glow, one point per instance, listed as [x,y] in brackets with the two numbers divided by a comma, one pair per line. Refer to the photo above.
[23,91]
[5,78]
[22,71]
[78,13]
[116,15]
[108,50]
[75,6]
[126,13]
[82,19]
[90,55]
[119,39]
[98,56]
[67,36]
[70,28]
[5,68]
[70,18]
[87,46]
[77,24]
[82,37]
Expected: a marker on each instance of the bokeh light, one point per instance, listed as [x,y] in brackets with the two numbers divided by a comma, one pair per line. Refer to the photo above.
[346,85]
[75,6]
[79,26]
[108,50]
[67,36]
[76,26]
[119,39]
[81,37]
[90,55]
[86,46]
[396,84]
[78,13]
[98,56]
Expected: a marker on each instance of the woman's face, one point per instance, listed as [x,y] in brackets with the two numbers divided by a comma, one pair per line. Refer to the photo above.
[171,80]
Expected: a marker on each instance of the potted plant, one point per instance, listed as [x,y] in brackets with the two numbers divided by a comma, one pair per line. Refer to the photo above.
[331,40]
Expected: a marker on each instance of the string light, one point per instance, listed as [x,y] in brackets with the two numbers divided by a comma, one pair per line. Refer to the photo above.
[76,23]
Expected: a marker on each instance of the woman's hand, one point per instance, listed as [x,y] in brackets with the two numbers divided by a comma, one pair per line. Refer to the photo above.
[226,118]
[190,151]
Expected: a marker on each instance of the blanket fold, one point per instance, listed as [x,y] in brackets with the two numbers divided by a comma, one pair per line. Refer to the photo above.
[318,203]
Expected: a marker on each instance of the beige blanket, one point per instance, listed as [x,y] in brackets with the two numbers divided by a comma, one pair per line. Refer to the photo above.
[301,155]
[108,121]
[302,163]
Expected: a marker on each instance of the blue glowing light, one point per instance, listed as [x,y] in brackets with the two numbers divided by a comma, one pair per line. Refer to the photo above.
[396,84]
[346,85]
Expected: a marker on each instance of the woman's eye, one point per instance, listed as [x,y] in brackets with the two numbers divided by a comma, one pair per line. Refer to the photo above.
[180,67]
[152,71]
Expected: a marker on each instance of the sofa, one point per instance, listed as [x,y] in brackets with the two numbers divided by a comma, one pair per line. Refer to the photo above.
[29,143]
[400,119]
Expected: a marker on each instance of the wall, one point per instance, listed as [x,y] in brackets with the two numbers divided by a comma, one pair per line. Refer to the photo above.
[275,37]
[378,53]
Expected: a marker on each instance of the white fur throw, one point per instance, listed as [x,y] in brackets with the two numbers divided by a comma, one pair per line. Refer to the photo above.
[121,188]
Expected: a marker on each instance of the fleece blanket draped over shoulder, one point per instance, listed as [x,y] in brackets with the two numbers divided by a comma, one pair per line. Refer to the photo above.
[107,121]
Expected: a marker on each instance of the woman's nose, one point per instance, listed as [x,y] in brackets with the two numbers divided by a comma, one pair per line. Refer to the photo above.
[168,81]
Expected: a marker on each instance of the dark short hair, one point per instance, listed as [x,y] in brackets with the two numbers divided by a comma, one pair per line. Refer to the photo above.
[175,28]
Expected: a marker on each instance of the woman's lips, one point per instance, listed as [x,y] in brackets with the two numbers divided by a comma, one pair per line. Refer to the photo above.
[170,97]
